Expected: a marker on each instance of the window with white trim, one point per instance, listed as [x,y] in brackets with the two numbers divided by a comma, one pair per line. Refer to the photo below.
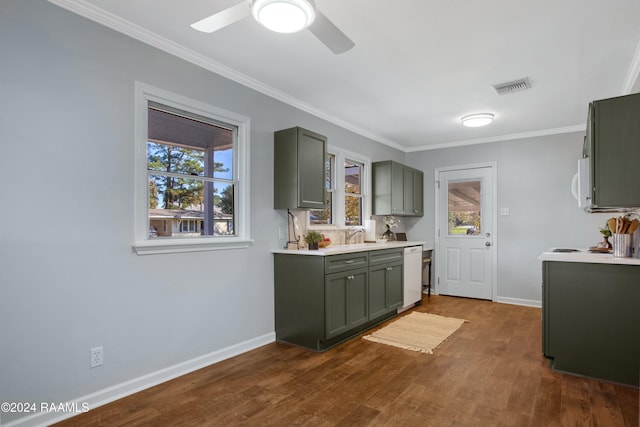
[191,175]
[325,216]
[353,193]
[347,182]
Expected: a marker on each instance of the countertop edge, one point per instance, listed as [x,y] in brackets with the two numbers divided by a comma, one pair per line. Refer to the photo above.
[358,247]
[584,256]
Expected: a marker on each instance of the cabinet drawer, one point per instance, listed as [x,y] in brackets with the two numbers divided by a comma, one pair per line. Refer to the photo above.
[337,263]
[385,256]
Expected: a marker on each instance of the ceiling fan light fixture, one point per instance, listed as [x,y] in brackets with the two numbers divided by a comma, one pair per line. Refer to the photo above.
[477,120]
[284,16]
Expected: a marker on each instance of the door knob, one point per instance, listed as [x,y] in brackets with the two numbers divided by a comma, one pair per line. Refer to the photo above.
[487,244]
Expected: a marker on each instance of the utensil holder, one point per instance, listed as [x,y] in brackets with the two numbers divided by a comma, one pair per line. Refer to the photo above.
[621,245]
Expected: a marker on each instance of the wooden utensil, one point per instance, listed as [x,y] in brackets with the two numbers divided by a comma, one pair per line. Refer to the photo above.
[625,226]
[612,224]
[633,226]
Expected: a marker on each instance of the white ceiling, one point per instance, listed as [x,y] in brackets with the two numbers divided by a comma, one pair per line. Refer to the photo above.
[418,65]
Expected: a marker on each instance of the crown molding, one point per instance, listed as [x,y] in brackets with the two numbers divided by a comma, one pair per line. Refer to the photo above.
[510,137]
[101,16]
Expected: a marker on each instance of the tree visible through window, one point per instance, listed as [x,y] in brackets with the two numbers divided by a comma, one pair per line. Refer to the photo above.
[353,192]
[190,174]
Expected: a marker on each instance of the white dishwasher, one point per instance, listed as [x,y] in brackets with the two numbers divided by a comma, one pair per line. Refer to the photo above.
[412,276]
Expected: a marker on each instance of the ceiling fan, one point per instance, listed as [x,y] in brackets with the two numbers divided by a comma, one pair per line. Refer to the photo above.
[283,16]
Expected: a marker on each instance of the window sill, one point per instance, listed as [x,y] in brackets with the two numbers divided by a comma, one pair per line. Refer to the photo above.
[166,246]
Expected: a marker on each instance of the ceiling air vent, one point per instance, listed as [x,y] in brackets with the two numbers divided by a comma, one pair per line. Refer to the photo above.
[511,87]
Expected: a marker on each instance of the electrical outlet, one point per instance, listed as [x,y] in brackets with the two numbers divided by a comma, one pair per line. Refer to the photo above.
[96,357]
[504,211]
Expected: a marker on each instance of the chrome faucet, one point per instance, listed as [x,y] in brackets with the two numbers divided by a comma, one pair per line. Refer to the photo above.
[350,232]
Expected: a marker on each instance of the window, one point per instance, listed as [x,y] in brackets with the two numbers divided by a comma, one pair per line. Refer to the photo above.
[464,207]
[325,216]
[189,226]
[353,192]
[346,191]
[192,175]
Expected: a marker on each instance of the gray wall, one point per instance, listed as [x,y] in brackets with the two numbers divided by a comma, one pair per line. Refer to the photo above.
[69,279]
[534,182]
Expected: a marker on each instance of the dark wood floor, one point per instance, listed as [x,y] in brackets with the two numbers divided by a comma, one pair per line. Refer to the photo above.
[490,373]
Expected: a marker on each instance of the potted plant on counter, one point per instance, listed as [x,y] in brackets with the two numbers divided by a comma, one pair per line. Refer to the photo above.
[389,222]
[606,233]
[312,238]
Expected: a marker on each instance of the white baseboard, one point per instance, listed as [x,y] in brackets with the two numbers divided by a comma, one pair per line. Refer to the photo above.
[135,385]
[518,301]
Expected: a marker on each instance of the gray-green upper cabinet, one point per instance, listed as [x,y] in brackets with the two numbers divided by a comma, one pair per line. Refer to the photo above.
[397,189]
[613,142]
[299,169]
[413,192]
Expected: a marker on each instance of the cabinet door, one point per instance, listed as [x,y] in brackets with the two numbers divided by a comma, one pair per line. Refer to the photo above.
[397,189]
[418,193]
[311,170]
[299,169]
[345,301]
[395,286]
[413,187]
[358,309]
[385,288]
[377,291]
[616,152]
[408,192]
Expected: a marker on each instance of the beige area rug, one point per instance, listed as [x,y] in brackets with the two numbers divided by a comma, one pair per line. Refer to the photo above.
[417,331]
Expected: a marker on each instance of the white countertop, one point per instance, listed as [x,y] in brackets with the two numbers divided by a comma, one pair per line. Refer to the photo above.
[356,247]
[587,257]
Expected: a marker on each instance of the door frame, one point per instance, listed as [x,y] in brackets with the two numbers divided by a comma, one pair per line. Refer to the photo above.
[494,252]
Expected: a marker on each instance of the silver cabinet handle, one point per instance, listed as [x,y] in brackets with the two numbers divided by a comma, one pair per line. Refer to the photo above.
[350,277]
[389,268]
[349,261]
[487,244]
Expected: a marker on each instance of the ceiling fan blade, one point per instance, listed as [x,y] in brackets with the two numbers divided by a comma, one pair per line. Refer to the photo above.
[222,19]
[330,35]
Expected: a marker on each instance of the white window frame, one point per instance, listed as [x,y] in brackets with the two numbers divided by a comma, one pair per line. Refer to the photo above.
[339,193]
[332,191]
[143,245]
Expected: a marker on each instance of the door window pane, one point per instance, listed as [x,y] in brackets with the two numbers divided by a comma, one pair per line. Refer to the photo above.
[464,207]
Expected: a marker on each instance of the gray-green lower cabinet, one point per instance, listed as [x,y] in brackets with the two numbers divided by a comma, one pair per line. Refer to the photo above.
[385,288]
[321,301]
[345,301]
[591,319]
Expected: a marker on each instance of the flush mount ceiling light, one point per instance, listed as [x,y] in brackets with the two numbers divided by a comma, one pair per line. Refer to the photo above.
[284,16]
[477,120]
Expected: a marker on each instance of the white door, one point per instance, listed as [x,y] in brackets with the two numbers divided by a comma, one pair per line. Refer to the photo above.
[465,221]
